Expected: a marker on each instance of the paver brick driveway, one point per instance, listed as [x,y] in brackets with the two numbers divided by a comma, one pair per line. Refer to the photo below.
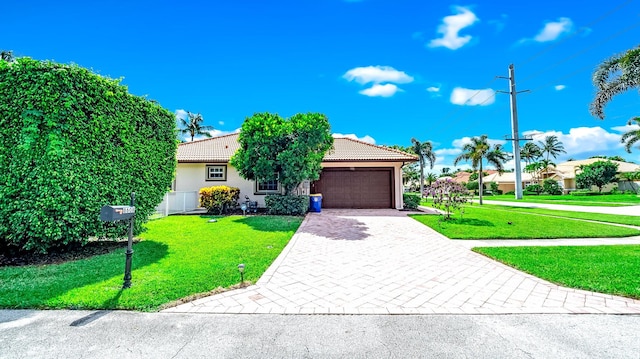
[381,261]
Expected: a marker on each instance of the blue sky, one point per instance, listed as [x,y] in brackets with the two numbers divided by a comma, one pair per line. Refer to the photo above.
[383,71]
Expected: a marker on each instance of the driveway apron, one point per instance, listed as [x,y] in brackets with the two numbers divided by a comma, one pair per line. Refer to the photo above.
[384,262]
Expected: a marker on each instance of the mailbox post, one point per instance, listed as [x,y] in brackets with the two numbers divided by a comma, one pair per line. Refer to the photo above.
[123,213]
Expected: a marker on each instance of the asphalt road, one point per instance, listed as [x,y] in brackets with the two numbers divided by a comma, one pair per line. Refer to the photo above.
[104,334]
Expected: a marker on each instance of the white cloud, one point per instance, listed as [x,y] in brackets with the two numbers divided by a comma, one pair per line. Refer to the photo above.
[552,30]
[448,151]
[376,75]
[560,87]
[377,90]
[626,128]
[433,89]
[459,143]
[221,123]
[181,114]
[581,140]
[469,97]
[352,136]
[451,26]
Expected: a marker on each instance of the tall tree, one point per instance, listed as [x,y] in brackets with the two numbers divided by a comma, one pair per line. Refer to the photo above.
[632,136]
[193,126]
[614,76]
[479,150]
[431,177]
[530,152]
[551,146]
[424,151]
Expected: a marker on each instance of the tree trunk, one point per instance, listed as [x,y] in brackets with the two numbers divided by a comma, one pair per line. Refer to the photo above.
[421,180]
[480,186]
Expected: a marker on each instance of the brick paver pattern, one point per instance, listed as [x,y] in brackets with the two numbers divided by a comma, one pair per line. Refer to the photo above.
[383,262]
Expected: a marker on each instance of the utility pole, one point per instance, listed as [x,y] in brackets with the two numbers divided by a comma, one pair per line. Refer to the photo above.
[514,129]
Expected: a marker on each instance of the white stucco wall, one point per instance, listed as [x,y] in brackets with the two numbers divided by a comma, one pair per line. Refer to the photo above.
[192,177]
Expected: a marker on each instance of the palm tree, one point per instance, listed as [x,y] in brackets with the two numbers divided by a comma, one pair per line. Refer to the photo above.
[530,152]
[614,76]
[424,151]
[6,55]
[193,126]
[544,163]
[479,150]
[431,177]
[551,146]
[630,137]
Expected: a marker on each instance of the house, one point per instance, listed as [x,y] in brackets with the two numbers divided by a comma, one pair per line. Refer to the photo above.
[463,176]
[565,173]
[355,174]
[506,181]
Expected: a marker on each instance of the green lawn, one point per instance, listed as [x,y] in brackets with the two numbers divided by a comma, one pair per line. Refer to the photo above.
[609,200]
[605,269]
[177,256]
[610,218]
[492,223]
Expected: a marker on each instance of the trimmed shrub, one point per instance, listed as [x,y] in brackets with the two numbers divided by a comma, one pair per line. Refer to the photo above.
[73,141]
[551,186]
[511,193]
[411,200]
[219,198]
[290,205]
[534,189]
[585,192]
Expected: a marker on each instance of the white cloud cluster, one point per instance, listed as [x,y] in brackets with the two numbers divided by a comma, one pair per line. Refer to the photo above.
[181,114]
[469,97]
[582,140]
[560,87]
[366,138]
[382,78]
[451,27]
[553,29]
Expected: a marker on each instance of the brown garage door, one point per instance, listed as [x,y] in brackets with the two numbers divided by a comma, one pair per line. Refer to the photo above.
[355,187]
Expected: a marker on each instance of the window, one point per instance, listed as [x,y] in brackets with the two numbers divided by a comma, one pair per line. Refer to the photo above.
[216,172]
[267,187]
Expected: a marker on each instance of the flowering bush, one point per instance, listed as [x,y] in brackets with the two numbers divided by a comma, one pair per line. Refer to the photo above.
[448,196]
[218,198]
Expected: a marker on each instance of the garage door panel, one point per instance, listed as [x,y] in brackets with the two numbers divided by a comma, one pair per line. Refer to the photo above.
[356,188]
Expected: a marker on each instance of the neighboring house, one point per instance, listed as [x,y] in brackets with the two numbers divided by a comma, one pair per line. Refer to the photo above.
[463,176]
[506,181]
[565,173]
[355,174]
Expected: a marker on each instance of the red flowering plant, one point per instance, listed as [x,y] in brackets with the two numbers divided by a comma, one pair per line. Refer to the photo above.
[448,196]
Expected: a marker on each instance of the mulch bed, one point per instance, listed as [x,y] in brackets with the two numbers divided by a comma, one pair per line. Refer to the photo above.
[62,255]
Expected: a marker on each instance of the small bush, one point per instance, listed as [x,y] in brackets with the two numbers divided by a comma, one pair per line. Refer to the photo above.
[411,200]
[289,205]
[551,187]
[583,192]
[511,193]
[534,188]
[219,198]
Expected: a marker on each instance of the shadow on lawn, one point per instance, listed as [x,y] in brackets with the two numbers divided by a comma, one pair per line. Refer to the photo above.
[54,280]
[472,222]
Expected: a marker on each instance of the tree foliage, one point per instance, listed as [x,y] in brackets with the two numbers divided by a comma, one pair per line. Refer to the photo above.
[192,126]
[614,76]
[597,174]
[530,152]
[73,141]
[425,153]
[288,150]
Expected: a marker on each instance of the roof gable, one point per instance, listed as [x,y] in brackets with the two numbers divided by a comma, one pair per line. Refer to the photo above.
[220,149]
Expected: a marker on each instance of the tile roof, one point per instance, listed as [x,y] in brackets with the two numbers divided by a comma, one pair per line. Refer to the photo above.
[220,149]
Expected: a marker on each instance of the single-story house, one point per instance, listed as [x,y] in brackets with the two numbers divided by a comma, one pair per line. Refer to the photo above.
[565,173]
[506,181]
[355,174]
[463,176]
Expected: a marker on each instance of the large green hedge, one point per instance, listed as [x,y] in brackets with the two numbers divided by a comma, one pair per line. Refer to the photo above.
[73,141]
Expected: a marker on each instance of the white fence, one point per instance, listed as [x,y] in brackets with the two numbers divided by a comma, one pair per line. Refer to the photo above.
[178,202]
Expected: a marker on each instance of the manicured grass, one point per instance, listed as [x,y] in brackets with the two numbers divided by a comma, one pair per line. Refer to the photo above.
[178,256]
[605,269]
[485,223]
[609,218]
[609,200]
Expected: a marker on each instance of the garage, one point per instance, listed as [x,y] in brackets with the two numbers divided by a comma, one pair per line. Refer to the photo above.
[359,187]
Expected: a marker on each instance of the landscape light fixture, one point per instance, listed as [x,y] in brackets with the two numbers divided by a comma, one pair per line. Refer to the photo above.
[243,207]
[241,270]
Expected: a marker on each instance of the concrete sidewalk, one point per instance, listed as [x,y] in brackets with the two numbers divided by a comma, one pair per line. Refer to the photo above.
[383,262]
